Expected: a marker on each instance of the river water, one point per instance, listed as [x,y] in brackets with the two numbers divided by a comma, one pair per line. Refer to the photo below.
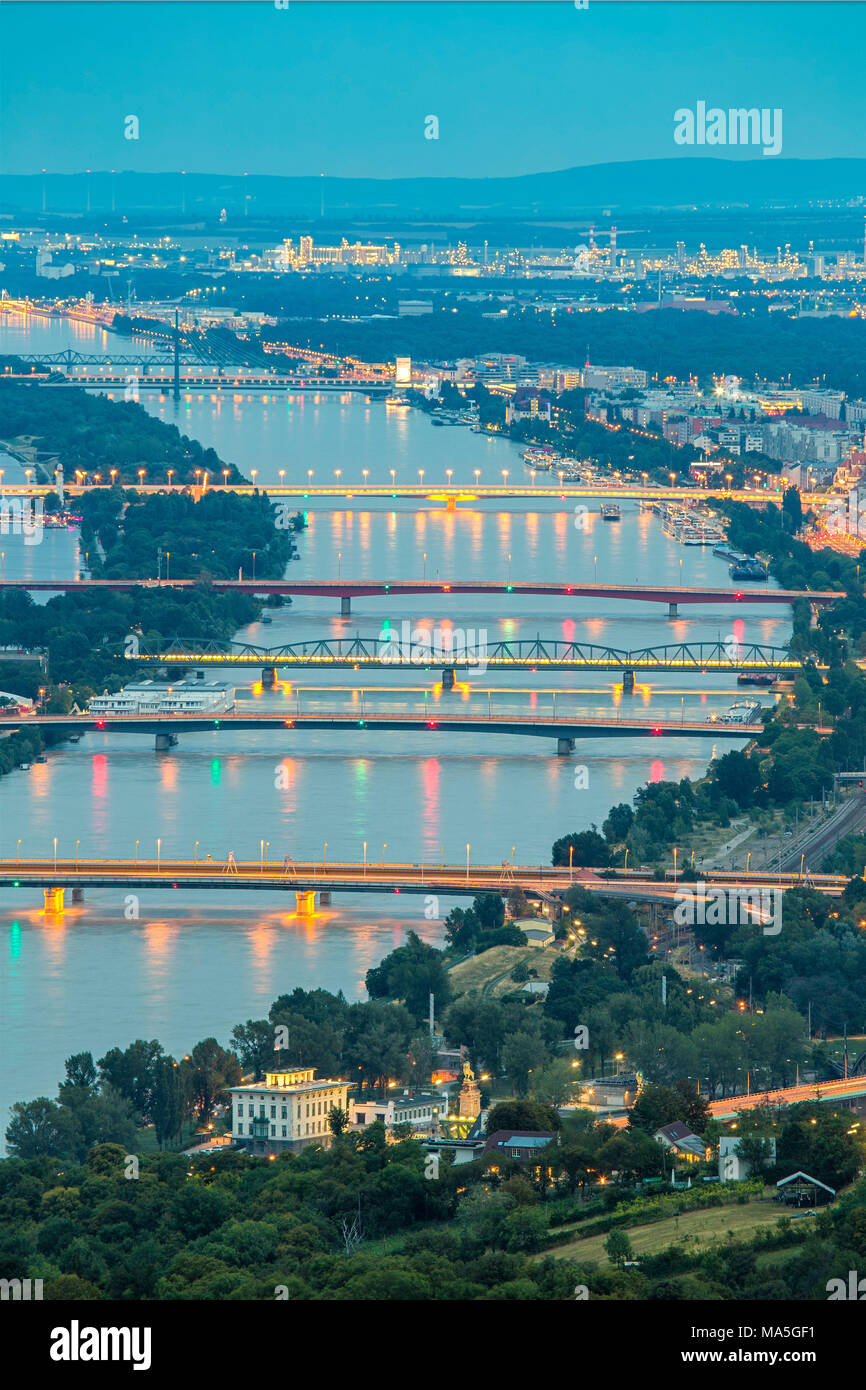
[192,965]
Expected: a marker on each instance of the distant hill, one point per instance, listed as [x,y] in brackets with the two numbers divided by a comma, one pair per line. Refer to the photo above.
[686,181]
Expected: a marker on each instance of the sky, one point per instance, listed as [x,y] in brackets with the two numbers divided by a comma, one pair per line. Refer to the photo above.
[345,89]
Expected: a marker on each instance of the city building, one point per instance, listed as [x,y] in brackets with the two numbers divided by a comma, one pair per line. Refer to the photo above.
[420,1109]
[286,1111]
[154,697]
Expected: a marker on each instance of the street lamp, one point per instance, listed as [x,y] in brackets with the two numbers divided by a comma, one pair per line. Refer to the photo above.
[254,473]
[282,475]
[195,853]
[141,473]
[468,847]
[384,847]
[225,477]
[365,858]
[449,473]
[158,853]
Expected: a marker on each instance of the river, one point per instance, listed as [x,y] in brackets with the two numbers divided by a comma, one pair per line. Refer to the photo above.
[192,965]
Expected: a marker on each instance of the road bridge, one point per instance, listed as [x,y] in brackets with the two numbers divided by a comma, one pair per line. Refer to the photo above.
[537,655]
[451,493]
[566,732]
[54,875]
[347,589]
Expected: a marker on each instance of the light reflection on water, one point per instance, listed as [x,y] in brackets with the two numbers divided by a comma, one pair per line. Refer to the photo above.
[190,967]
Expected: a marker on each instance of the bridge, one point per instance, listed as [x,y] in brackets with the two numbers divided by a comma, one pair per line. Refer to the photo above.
[305,878]
[566,732]
[347,589]
[370,653]
[451,493]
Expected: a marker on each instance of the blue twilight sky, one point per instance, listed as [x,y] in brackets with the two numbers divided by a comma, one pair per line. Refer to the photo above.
[344,88]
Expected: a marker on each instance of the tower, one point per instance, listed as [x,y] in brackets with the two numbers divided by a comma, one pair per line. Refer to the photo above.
[176,357]
[469,1095]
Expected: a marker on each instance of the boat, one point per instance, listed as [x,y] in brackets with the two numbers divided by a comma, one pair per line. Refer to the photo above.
[397,400]
[610,511]
[757,678]
[25,767]
[539,457]
[74,738]
[748,569]
[727,552]
[266,618]
[41,758]
[742,712]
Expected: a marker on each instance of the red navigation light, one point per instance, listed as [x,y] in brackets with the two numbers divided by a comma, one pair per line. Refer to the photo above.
[446,588]
[656,731]
[739,596]
[431,724]
[100,723]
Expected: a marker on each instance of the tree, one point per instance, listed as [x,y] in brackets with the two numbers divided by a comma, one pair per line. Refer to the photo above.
[619,822]
[254,1042]
[523,1051]
[338,1120]
[412,973]
[792,508]
[38,1127]
[80,1070]
[618,1248]
[522,1114]
[657,1106]
[210,1070]
[587,848]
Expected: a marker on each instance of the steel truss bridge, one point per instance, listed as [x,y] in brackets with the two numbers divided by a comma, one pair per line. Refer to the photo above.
[538,654]
[69,358]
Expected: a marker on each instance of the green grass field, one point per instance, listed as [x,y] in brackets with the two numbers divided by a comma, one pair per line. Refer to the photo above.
[694,1230]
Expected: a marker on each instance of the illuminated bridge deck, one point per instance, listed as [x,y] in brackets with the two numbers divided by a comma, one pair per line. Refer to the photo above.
[365,653]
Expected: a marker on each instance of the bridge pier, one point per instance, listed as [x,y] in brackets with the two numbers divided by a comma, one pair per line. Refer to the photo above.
[53,899]
[673,611]
[628,682]
[448,678]
[77,895]
[269,677]
[325,898]
[451,504]
[163,742]
[345,605]
[305,902]
[564,746]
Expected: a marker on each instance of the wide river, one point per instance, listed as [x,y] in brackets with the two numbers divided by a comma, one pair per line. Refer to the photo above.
[193,965]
